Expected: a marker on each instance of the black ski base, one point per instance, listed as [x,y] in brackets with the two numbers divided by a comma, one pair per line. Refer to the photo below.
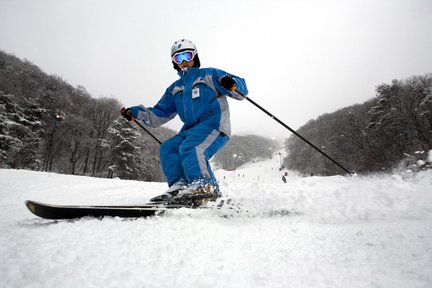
[49,211]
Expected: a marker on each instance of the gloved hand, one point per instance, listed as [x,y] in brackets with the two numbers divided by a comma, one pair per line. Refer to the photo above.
[227,82]
[126,113]
[131,113]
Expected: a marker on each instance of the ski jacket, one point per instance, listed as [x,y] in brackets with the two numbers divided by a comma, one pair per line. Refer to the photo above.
[198,98]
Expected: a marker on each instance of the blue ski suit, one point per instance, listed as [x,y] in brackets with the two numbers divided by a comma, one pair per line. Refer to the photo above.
[201,103]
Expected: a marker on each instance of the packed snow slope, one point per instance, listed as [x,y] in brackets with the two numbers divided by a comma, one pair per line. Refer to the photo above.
[370,231]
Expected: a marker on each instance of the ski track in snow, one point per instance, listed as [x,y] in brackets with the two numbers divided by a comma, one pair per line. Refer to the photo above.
[371,231]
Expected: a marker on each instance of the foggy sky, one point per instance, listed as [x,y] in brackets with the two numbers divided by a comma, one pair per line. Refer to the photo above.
[300,59]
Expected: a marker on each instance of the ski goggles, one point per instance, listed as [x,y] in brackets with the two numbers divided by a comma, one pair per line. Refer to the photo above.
[187,56]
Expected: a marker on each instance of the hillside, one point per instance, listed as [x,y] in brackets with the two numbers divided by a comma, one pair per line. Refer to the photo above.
[48,125]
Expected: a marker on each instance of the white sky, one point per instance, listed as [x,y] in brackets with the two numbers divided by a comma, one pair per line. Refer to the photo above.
[300,58]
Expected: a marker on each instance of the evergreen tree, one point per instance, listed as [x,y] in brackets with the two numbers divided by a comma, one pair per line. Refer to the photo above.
[123,140]
[19,139]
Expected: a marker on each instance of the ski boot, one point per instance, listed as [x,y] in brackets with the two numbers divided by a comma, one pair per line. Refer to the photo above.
[188,197]
[198,196]
[170,194]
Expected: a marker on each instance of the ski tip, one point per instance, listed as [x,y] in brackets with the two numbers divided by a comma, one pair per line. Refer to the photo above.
[31,206]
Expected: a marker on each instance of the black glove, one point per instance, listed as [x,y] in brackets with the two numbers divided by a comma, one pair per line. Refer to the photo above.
[126,113]
[227,82]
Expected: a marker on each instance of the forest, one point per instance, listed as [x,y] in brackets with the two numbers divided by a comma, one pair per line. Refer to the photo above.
[392,130]
[47,124]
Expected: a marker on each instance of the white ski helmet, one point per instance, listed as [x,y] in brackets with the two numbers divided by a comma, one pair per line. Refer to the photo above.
[182,44]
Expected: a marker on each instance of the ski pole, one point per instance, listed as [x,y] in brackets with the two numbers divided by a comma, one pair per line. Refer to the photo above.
[123,112]
[148,132]
[295,133]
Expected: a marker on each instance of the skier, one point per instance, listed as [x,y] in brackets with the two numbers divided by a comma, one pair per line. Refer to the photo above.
[284,178]
[199,97]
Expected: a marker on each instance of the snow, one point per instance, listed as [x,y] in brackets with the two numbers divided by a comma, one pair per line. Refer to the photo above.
[364,231]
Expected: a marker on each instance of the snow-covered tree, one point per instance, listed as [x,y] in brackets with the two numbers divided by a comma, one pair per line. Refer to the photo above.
[19,135]
[125,156]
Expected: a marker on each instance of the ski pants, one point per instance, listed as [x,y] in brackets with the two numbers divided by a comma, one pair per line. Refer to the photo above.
[185,157]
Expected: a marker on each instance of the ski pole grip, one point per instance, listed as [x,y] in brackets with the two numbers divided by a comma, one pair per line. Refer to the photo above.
[126,114]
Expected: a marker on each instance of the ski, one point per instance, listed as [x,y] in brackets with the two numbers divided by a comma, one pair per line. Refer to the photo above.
[49,211]
[56,212]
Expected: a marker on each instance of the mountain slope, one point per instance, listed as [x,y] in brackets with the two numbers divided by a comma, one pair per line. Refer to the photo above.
[347,232]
